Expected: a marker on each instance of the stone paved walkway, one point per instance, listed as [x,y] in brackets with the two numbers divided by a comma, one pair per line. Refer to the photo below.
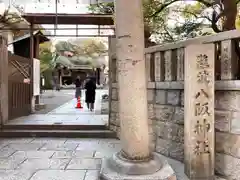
[54,99]
[68,114]
[59,159]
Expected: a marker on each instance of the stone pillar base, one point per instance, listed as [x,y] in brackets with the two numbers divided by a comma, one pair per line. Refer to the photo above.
[117,168]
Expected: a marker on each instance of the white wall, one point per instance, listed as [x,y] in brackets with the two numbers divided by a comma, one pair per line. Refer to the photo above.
[36,77]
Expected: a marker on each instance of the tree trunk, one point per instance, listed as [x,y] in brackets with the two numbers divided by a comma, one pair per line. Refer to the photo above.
[132,80]
[147,35]
[230,13]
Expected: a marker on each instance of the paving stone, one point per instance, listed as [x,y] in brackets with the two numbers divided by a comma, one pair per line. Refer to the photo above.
[76,162]
[88,145]
[101,145]
[25,146]
[5,142]
[86,163]
[34,154]
[16,140]
[6,152]
[103,154]
[92,175]
[110,144]
[81,140]
[10,163]
[109,141]
[38,164]
[178,168]
[50,140]
[59,175]
[60,147]
[15,175]
[73,154]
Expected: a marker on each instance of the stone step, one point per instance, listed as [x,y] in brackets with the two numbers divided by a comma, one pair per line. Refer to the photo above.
[53,127]
[9,133]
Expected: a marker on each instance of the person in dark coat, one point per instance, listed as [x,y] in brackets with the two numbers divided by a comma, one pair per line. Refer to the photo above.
[90,93]
[78,85]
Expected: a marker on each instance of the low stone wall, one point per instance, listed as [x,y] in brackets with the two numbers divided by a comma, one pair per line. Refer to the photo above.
[105,106]
[165,113]
[227,124]
[169,123]
[114,123]
[166,122]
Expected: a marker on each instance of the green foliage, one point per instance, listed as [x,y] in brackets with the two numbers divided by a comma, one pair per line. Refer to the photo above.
[102,8]
[45,55]
[48,78]
[64,46]
[173,20]
[81,52]
[88,47]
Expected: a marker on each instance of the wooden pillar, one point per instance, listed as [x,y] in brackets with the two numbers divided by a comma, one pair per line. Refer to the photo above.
[199,112]
[36,50]
[31,69]
[3,80]
[37,47]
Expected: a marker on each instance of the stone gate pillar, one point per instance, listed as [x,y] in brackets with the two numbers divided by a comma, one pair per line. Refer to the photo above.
[199,112]
[3,80]
[135,160]
[111,71]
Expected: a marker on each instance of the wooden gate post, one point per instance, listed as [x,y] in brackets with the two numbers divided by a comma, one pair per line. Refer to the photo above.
[32,100]
[199,112]
[3,80]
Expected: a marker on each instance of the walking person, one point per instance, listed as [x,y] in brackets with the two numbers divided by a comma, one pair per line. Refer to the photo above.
[78,84]
[90,93]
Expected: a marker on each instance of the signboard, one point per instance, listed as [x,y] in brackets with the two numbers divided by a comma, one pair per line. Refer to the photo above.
[36,77]
[199,111]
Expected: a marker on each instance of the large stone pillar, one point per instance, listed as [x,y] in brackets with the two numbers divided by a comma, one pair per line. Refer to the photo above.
[135,160]
[3,80]
[199,112]
[132,79]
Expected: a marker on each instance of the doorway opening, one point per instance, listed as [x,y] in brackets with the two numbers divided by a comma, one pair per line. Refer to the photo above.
[54,108]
